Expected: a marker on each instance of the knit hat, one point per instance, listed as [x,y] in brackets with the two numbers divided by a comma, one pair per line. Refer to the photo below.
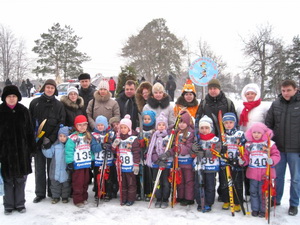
[206,121]
[126,121]
[152,115]
[102,120]
[84,76]
[72,89]
[162,119]
[259,127]
[103,84]
[188,87]
[185,117]
[114,120]
[214,83]
[158,87]
[51,82]
[63,130]
[11,90]
[230,117]
[80,119]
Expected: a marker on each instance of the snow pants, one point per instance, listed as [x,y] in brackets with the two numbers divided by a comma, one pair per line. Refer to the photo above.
[80,184]
[128,187]
[163,192]
[185,190]
[14,189]
[59,189]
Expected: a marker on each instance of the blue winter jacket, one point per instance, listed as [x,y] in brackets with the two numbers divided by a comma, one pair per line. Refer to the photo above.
[58,164]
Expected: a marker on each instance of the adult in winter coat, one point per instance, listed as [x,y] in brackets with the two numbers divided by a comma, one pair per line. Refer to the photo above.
[23,89]
[187,99]
[171,87]
[159,101]
[86,90]
[283,118]
[112,86]
[73,104]
[127,103]
[253,110]
[102,104]
[17,144]
[45,107]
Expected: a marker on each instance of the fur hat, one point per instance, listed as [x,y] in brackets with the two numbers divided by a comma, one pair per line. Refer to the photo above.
[51,82]
[214,83]
[72,89]
[103,120]
[84,76]
[126,121]
[158,87]
[188,87]
[63,130]
[206,121]
[162,119]
[80,119]
[114,119]
[230,117]
[152,115]
[185,117]
[103,84]
[11,90]
[259,127]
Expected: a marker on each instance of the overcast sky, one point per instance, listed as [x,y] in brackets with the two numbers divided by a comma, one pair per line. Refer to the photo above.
[105,25]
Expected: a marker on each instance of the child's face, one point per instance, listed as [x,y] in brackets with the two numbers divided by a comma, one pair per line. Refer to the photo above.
[257,135]
[161,126]
[62,138]
[228,124]
[250,96]
[124,129]
[205,130]
[182,125]
[147,119]
[100,127]
[81,127]
[115,126]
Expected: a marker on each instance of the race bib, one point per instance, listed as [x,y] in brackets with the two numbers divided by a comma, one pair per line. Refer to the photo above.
[99,158]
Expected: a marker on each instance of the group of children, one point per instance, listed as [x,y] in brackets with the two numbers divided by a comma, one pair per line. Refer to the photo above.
[124,152]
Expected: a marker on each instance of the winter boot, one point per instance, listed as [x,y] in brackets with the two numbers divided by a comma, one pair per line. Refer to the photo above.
[55,200]
[293,210]
[255,213]
[237,208]
[164,204]
[225,206]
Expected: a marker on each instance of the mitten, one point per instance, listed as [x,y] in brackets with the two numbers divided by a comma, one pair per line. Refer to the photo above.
[196,148]
[270,161]
[161,163]
[224,149]
[70,167]
[136,169]
[164,156]
[46,143]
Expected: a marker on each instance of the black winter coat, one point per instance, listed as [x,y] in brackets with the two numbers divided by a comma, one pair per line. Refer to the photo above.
[283,118]
[87,95]
[17,141]
[45,107]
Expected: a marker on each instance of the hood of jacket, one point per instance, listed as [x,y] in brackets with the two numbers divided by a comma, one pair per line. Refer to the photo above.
[255,88]
[140,101]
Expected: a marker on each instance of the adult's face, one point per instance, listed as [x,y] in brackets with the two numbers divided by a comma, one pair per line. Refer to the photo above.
[250,96]
[85,83]
[145,93]
[130,90]
[73,96]
[158,95]
[11,99]
[214,92]
[49,90]
[189,97]
[103,91]
[288,92]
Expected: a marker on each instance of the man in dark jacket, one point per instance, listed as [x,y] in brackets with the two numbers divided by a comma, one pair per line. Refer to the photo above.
[86,90]
[171,87]
[283,118]
[45,107]
[126,101]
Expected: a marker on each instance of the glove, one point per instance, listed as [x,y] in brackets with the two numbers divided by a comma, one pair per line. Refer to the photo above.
[142,143]
[270,161]
[70,167]
[106,146]
[161,163]
[241,161]
[164,156]
[233,162]
[46,143]
[196,148]
[136,169]
[224,149]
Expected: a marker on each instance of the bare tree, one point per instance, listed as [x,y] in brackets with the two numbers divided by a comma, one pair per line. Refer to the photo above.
[22,63]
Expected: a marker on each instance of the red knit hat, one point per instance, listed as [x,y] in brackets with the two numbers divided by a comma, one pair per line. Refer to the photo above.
[80,119]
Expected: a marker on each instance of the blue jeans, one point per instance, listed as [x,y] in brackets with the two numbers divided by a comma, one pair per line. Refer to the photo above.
[257,201]
[293,160]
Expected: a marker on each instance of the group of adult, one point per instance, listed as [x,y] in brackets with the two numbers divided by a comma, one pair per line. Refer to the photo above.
[282,117]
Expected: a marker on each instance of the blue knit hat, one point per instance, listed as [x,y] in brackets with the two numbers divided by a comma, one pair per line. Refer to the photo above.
[230,117]
[102,120]
[152,115]
[63,130]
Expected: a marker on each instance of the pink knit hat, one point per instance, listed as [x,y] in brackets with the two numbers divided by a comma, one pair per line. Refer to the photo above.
[126,121]
[185,117]
[259,127]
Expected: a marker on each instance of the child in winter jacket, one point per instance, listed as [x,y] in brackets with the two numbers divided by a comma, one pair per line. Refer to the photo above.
[183,141]
[210,164]
[157,147]
[79,157]
[145,135]
[104,136]
[60,180]
[256,157]
[233,140]
[127,146]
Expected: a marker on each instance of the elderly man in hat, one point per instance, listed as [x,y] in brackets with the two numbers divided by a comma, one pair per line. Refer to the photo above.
[46,107]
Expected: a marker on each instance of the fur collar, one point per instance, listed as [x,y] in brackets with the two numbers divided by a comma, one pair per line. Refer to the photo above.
[183,102]
[74,105]
[140,101]
[164,103]
[100,98]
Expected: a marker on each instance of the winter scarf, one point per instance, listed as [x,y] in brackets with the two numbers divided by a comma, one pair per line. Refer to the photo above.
[206,137]
[248,107]
[157,142]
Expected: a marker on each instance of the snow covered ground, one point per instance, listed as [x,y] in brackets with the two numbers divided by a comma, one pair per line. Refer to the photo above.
[111,212]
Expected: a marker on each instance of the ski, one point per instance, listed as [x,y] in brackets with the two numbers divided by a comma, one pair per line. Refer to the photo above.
[175,174]
[118,166]
[200,175]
